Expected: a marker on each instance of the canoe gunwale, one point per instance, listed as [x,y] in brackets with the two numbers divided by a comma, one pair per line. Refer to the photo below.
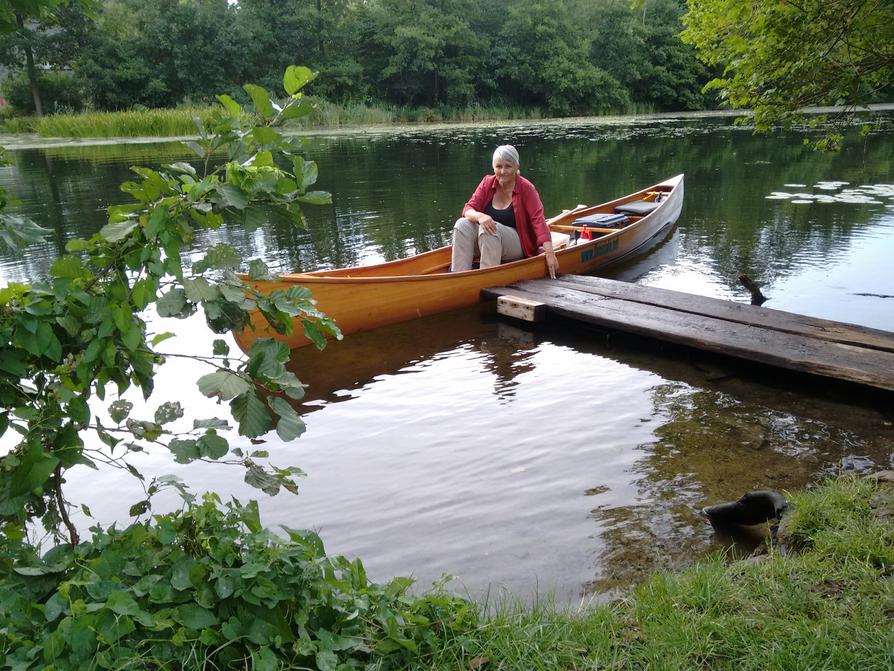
[340,276]
[367,297]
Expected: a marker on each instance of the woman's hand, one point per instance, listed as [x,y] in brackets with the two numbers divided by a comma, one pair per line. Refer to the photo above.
[552,263]
[487,222]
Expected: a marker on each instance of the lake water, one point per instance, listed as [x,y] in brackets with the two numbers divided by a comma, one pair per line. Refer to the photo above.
[553,460]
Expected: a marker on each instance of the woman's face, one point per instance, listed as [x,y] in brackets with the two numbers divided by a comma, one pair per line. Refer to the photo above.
[505,172]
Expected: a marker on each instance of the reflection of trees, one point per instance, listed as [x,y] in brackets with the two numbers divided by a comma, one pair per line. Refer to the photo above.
[398,194]
[710,447]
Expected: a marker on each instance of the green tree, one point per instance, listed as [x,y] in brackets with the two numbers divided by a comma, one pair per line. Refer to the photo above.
[158,54]
[425,52]
[545,61]
[780,56]
[38,32]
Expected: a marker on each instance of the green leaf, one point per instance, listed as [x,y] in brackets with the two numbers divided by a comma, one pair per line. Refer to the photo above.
[219,257]
[194,616]
[267,358]
[187,573]
[168,412]
[173,304]
[213,446]
[54,607]
[182,168]
[213,423]
[68,266]
[143,292]
[184,450]
[75,245]
[113,232]
[289,425]
[232,196]
[252,415]
[11,362]
[224,384]
[122,603]
[264,135]
[230,105]
[296,77]
[79,410]
[119,410]
[161,337]
[220,347]
[139,508]
[309,174]
[316,198]
[297,108]
[199,290]
[261,99]
[259,478]
[258,270]
[264,659]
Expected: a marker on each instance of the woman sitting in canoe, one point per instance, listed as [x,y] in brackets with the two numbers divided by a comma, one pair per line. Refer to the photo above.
[503,220]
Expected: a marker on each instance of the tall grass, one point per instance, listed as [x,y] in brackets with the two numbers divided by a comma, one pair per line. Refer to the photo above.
[828,606]
[131,123]
[179,122]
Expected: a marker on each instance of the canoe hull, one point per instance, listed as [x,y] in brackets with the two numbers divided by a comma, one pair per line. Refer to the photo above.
[364,298]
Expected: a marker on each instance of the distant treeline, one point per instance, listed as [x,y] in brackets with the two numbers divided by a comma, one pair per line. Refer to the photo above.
[560,56]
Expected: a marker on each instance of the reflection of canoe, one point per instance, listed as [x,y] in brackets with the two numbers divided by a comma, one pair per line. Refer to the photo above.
[366,297]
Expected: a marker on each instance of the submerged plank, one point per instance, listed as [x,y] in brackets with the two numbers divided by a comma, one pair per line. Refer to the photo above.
[817,356]
[777,320]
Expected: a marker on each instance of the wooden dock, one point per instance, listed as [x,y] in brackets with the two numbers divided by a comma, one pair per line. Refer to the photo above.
[796,342]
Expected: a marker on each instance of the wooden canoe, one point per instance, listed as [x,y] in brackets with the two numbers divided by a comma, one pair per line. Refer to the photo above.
[367,297]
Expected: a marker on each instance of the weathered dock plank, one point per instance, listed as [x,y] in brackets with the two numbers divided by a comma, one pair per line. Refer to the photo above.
[829,349]
[778,320]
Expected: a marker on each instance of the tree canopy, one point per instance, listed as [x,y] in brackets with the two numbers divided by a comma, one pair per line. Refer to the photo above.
[572,57]
[781,56]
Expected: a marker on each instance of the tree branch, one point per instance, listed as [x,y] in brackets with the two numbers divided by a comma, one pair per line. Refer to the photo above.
[73,537]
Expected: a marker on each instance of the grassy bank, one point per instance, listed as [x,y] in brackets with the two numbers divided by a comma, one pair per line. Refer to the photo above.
[178,122]
[209,587]
[827,605]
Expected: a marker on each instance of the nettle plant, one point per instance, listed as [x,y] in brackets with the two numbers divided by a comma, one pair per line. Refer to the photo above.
[206,586]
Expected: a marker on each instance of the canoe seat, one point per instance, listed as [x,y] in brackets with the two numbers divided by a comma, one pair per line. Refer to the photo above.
[560,240]
[637,207]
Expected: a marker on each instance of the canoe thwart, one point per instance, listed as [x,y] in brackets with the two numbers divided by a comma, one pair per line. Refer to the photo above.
[521,308]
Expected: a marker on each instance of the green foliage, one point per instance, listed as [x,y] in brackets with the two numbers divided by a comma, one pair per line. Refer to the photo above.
[61,92]
[67,340]
[572,57]
[209,587]
[780,56]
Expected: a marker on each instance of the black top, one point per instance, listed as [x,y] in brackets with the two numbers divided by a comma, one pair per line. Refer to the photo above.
[505,217]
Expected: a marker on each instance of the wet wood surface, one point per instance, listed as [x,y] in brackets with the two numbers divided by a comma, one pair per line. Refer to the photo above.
[783,339]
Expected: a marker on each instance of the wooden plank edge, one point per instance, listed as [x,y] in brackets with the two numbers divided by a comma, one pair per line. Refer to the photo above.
[521,308]
[785,322]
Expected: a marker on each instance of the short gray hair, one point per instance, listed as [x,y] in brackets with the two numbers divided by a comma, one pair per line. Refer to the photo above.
[506,152]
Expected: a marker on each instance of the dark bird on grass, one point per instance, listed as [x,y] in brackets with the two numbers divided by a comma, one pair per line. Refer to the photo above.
[753,508]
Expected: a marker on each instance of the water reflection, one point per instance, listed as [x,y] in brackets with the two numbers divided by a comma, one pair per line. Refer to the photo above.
[553,458]
[573,462]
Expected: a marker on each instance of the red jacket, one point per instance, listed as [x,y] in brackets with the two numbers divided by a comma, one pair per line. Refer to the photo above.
[526,205]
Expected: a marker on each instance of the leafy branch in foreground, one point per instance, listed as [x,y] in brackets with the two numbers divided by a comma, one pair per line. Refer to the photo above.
[67,340]
[781,57]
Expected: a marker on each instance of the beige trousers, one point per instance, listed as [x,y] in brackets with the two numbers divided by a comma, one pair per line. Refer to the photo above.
[470,240]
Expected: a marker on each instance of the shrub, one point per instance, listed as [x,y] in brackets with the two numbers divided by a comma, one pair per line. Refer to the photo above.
[60,92]
[208,587]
